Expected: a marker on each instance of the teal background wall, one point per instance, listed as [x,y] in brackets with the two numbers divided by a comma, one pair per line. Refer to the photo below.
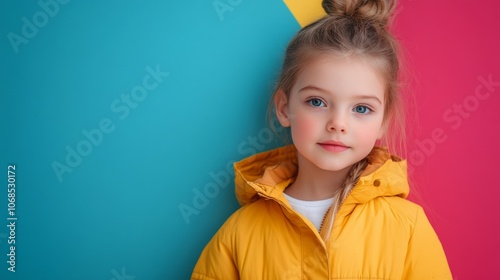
[114,213]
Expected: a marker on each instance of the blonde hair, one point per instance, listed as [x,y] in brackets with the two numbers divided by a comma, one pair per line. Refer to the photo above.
[353,28]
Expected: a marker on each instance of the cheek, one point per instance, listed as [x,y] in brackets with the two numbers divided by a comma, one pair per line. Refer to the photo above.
[304,125]
[369,132]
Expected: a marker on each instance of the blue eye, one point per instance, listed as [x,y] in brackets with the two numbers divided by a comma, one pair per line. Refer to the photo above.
[315,102]
[361,109]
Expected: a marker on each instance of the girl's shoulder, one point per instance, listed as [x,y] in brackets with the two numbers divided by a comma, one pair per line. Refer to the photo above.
[260,215]
[260,211]
[400,210]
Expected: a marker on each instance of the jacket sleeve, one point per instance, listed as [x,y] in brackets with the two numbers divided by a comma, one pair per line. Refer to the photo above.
[425,257]
[216,261]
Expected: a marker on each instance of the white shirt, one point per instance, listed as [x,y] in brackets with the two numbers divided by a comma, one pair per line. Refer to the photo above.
[313,210]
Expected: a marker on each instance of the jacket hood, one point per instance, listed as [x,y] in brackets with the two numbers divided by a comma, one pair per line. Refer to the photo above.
[269,173]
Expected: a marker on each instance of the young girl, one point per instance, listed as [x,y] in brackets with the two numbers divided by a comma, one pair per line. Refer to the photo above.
[332,205]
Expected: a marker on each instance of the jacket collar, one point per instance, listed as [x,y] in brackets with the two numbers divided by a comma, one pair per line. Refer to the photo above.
[269,173]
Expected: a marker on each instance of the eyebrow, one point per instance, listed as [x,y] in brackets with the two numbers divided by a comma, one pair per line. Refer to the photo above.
[361,96]
[314,88]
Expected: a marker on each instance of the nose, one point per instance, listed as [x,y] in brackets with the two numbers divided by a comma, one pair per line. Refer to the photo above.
[337,122]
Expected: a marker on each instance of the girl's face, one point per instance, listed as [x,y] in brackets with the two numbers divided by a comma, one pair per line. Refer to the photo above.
[335,111]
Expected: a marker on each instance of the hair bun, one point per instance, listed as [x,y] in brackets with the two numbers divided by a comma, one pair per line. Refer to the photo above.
[376,11]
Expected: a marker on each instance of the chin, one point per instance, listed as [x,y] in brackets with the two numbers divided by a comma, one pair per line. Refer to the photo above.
[333,167]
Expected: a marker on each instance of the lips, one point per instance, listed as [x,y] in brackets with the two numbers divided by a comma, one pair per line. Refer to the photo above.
[334,146]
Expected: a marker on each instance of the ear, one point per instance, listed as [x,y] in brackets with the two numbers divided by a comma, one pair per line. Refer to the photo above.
[281,106]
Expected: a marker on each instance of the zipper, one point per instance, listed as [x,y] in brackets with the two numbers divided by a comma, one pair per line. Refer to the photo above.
[322,242]
[324,218]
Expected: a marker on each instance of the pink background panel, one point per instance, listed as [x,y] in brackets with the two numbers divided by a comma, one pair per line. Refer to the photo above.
[454,69]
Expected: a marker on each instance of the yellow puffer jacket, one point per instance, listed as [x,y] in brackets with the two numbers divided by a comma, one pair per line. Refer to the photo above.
[377,234]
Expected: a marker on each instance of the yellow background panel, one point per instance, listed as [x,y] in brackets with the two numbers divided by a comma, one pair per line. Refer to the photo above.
[305,11]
